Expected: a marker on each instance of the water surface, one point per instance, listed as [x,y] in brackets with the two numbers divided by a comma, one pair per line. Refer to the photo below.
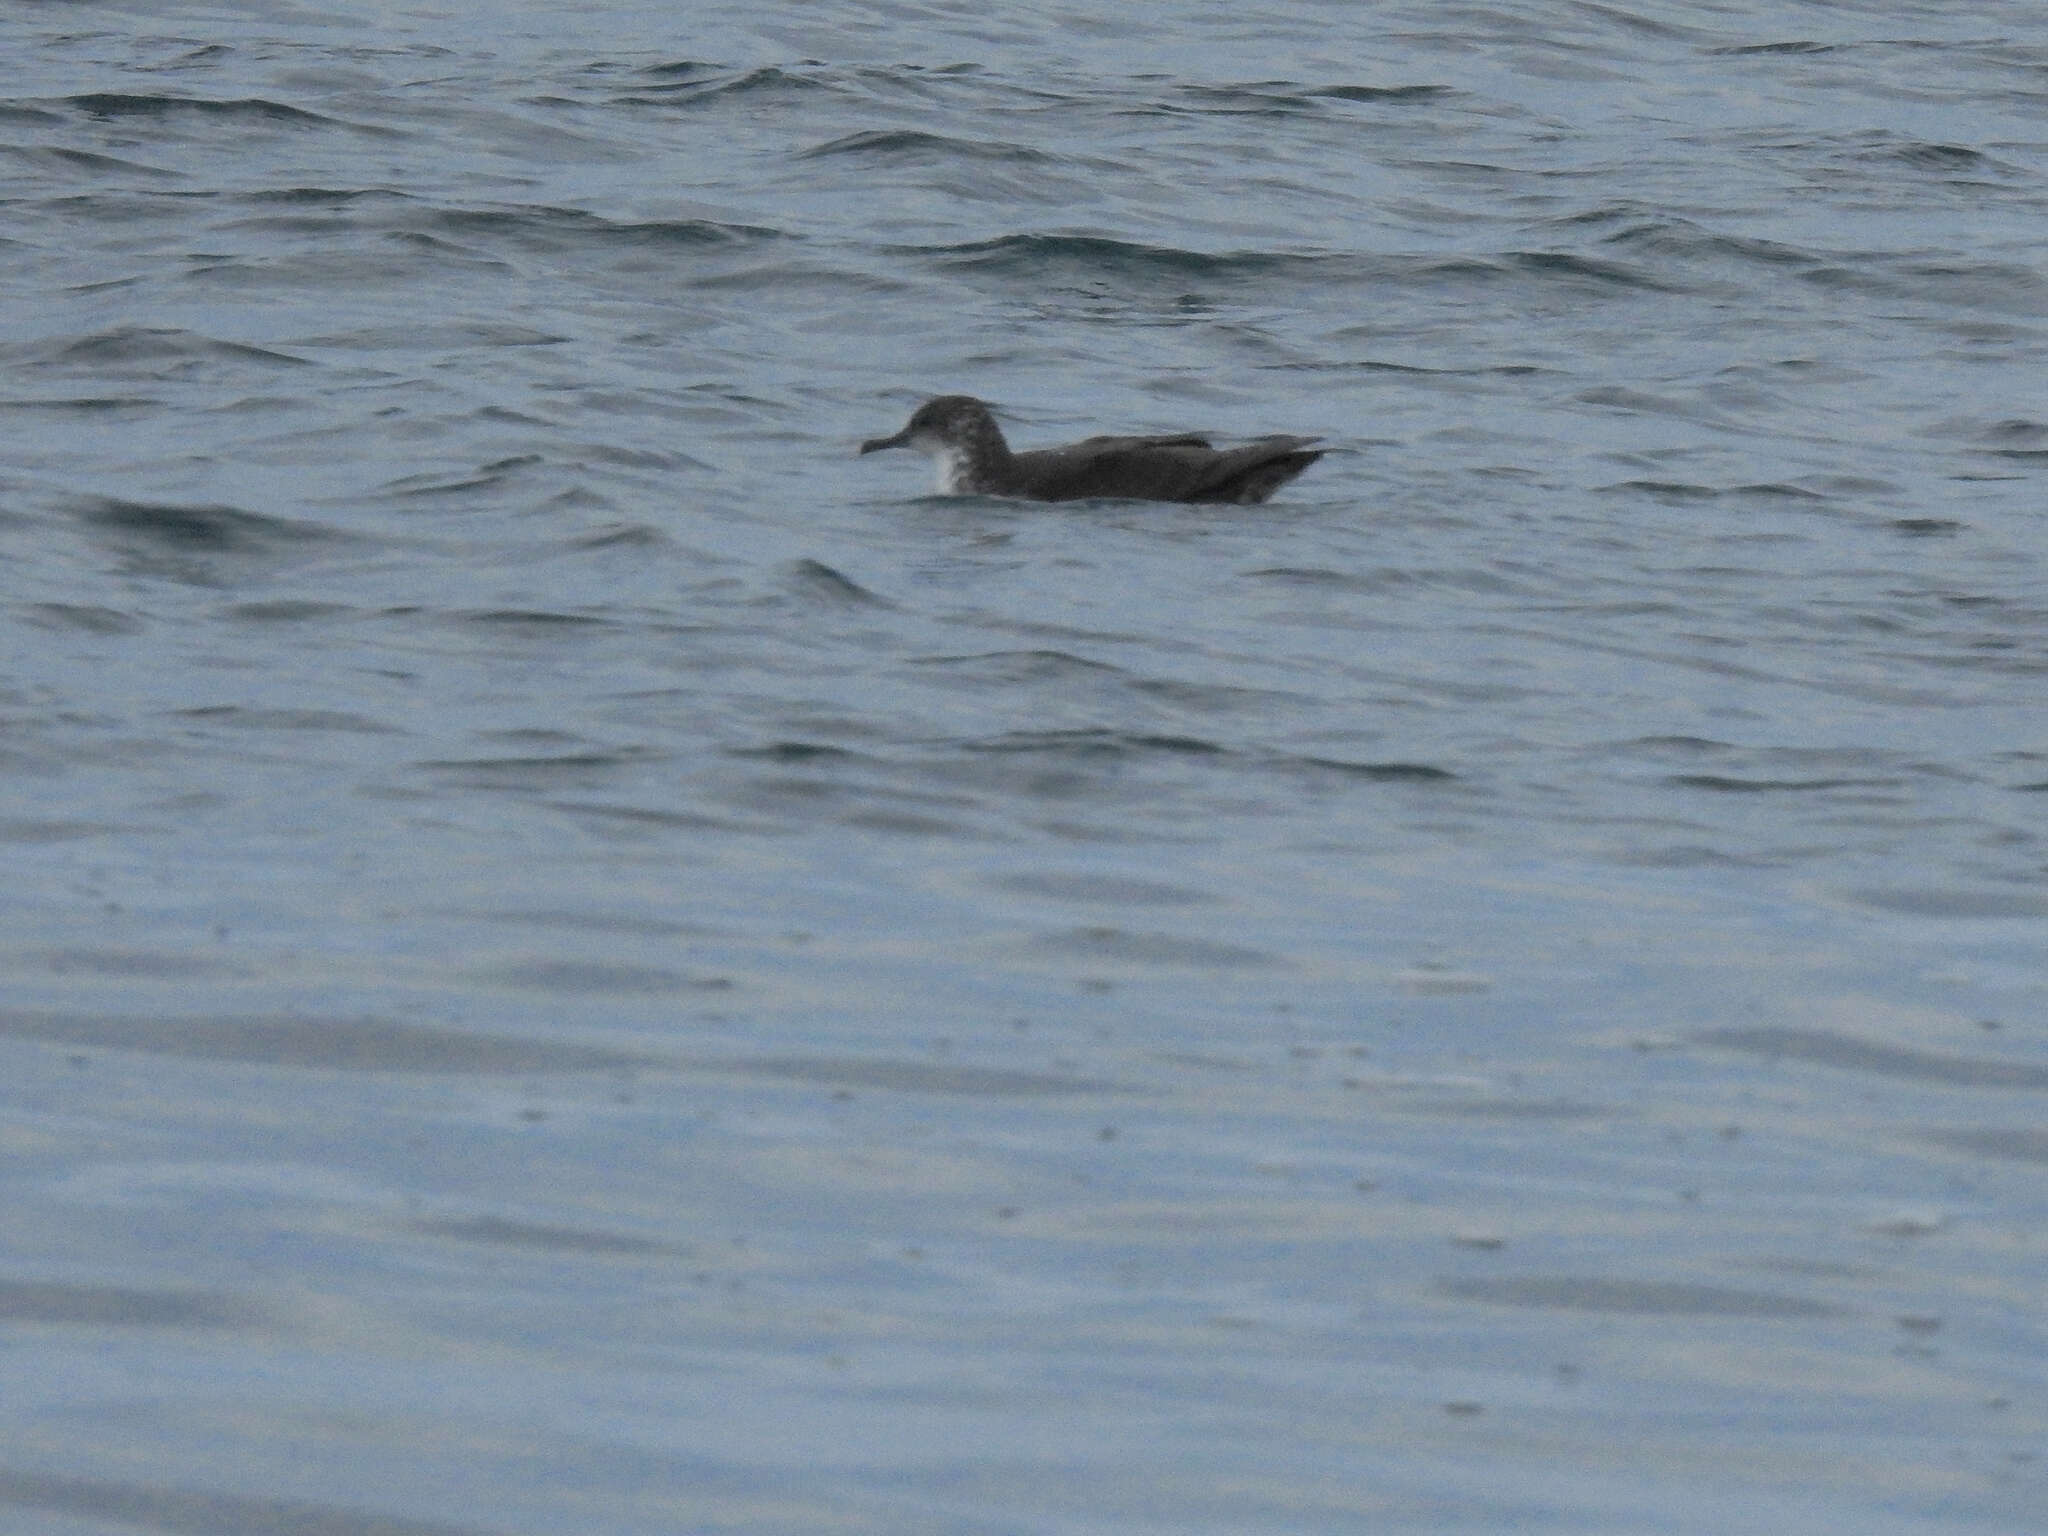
[580,959]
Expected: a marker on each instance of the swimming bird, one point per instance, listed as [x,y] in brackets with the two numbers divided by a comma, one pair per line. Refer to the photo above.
[960,436]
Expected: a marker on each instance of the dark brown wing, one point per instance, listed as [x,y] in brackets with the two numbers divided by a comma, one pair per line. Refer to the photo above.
[1111,444]
[1256,470]
[1181,468]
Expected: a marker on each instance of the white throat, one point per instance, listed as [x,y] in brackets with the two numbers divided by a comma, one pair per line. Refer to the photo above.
[949,460]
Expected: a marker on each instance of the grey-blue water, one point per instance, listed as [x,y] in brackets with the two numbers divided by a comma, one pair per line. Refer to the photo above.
[580,961]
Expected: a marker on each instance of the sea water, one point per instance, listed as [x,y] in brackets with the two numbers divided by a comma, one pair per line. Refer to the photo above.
[579,959]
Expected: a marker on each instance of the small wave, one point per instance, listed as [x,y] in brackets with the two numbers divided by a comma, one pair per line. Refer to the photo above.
[83,405]
[147,1505]
[1266,100]
[1603,274]
[1687,856]
[533,772]
[1383,773]
[313,1043]
[245,110]
[484,477]
[1884,153]
[1779,490]
[1738,50]
[1687,745]
[2026,1144]
[288,610]
[1418,370]
[1096,743]
[909,1076]
[691,90]
[243,717]
[103,1306]
[1119,946]
[40,830]
[1584,274]
[1089,258]
[1389,93]
[679,69]
[2015,432]
[1686,240]
[149,345]
[621,536]
[1964,904]
[1102,890]
[1639,402]
[1313,576]
[557,226]
[1681,491]
[1829,1049]
[447,336]
[1023,666]
[1728,784]
[542,619]
[50,156]
[781,281]
[910,144]
[1998,286]
[581,978]
[89,618]
[1664,490]
[1942,158]
[1033,254]
[1074,257]
[541,1237]
[1396,578]
[210,528]
[817,580]
[1654,1298]
[1433,983]
[1282,98]
[795,753]
[642,817]
[322,197]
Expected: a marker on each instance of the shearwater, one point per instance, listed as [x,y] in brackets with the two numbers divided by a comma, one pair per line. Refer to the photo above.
[960,435]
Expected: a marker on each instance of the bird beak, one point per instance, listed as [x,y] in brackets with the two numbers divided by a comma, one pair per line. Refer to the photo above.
[876,444]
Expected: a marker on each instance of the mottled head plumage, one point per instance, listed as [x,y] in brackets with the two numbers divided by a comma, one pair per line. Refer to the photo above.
[959,434]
